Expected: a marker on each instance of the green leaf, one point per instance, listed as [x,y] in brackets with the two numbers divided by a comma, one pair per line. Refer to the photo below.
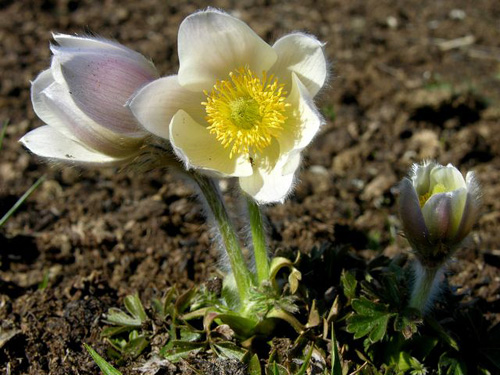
[370,319]
[349,284]
[276,369]
[287,317]
[406,363]
[240,325]
[181,349]
[254,366]
[183,301]
[45,281]
[165,307]
[134,306]
[294,279]
[314,319]
[278,263]
[105,367]
[406,322]
[114,331]
[336,365]
[189,335]
[135,347]
[21,200]
[119,317]
[304,366]
[450,366]
[443,335]
[229,350]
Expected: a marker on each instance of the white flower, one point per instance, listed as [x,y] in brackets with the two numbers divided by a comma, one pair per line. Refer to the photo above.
[238,107]
[438,208]
[82,100]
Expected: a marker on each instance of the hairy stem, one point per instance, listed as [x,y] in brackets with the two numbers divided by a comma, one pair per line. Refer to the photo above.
[259,241]
[425,286]
[211,193]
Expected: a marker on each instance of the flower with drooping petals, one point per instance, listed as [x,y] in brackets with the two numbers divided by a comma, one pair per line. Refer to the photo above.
[238,107]
[438,208]
[82,100]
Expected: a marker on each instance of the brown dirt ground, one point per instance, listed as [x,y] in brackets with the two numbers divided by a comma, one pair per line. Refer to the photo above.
[399,93]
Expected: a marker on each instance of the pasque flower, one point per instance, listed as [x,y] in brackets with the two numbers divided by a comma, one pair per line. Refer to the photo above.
[82,100]
[238,107]
[438,208]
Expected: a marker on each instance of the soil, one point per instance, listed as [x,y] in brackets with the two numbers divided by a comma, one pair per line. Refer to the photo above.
[409,81]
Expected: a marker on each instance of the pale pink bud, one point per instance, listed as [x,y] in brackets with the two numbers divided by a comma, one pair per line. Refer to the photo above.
[82,100]
[438,208]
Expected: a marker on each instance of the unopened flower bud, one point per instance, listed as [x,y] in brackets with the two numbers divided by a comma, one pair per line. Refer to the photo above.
[82,100]
[438,208]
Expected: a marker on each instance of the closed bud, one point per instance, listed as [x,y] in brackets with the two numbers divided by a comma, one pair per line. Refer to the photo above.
[82,98]
[438,208]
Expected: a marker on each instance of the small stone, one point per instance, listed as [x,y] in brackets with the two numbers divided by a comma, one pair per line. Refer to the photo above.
[392,22]
[457,14]
[319,170]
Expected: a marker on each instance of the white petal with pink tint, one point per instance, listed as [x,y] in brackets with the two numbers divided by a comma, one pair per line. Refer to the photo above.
[47,142]
[100,84]
[212,44]
[303,55]
[270,184]
[82,99]
[156,104]
[83,44]
[197,148]
[303,120]
[60,112]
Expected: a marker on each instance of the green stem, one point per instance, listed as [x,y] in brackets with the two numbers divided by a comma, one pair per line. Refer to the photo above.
[425,286]
[21,200]
[212,195]
[259,241]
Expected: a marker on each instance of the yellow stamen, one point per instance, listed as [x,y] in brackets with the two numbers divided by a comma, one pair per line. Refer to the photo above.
[246,112]
[438,188]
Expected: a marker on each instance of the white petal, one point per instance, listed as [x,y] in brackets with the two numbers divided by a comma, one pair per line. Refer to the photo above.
[271,183]
[458,205]
[211,44]
[420,176]
[303,55]
[41,83]
[449,176]
[199,149]
[293,162]
[303,120]
[85,43]
[49,143]
[411,215]
[100,84]
[56,108]
[470,215]
[437,212]
[156,103]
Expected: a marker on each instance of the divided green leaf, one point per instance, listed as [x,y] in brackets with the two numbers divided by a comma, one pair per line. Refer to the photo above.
[349,284]
[370,319]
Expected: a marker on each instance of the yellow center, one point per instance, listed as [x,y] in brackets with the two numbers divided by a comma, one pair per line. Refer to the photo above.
[245,112]
[438,188]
